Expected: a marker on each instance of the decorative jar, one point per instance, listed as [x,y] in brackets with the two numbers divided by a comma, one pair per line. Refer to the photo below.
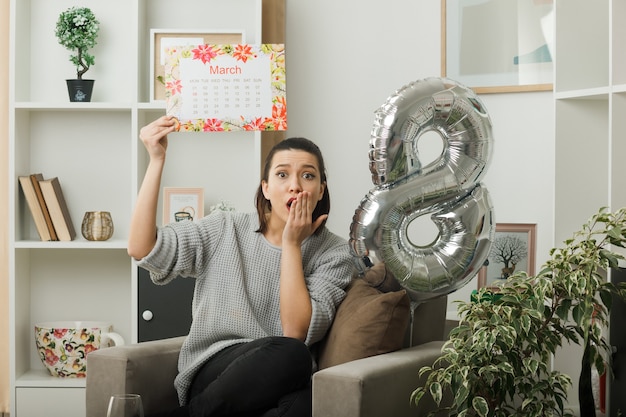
[97,225]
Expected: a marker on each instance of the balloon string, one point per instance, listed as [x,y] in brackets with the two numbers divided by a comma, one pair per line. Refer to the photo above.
[414,305]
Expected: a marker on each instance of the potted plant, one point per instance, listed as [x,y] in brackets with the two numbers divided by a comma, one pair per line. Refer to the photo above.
[77,30]
[497,360]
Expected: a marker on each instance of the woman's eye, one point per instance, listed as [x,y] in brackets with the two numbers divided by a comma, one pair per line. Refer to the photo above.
[308,176]
[281,174]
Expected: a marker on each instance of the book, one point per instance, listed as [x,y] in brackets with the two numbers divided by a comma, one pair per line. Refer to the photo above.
[59,213]
[35,178]
[35,208]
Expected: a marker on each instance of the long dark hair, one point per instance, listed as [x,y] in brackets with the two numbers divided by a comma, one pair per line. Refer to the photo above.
[263,205]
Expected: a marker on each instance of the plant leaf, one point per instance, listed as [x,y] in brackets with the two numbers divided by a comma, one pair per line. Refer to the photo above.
[607,298]
[417,395]
[480,406]
[461,395]
[435,392]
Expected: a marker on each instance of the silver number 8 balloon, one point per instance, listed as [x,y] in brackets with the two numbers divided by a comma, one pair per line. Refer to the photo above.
[448,189]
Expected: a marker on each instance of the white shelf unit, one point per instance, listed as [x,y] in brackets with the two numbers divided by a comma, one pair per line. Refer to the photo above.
[94,150]
[590,127]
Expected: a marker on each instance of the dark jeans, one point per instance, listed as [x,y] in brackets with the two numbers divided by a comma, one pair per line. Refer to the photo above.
[266,377]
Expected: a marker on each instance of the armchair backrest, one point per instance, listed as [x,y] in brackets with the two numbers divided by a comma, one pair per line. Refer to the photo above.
[428,322]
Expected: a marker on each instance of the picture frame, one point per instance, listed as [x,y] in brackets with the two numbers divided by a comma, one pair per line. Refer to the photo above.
[513,250]
[493,46]
[162,38]
[182,204]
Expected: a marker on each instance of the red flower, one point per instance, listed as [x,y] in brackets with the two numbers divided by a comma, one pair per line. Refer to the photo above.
[213,125]
[174,87]
[51,358]
[205,53]
[59,333]
[89,348]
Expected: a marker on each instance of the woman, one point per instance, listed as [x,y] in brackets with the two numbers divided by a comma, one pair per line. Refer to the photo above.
[267,284]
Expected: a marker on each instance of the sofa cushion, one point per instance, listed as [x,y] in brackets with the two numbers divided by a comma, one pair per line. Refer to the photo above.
[381,278]
[368,322]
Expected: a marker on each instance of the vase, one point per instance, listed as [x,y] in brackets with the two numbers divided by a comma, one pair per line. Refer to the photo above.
[80,90]
[97,225]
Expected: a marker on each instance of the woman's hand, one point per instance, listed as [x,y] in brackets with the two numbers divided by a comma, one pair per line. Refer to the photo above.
[300,224]
[154,136]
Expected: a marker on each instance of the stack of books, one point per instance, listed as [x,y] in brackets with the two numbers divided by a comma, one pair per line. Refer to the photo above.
[47,205]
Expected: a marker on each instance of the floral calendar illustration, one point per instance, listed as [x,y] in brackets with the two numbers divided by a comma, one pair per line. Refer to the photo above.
[226,87]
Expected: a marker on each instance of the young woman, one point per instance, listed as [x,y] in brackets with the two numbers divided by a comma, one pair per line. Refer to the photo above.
[267,283]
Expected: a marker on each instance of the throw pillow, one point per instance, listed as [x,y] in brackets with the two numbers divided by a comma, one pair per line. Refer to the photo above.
[368,322]
[380,278]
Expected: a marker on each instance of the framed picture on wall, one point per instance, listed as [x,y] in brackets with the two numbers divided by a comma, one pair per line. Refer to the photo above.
[182,204]
[495,46]
[513,250]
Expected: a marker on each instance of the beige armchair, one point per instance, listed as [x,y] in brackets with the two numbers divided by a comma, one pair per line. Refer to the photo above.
[376,386]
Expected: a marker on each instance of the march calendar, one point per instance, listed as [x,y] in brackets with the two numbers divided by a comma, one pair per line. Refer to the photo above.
[226,87]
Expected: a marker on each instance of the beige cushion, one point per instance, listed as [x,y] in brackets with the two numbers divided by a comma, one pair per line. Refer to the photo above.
[368,322]
[380,278]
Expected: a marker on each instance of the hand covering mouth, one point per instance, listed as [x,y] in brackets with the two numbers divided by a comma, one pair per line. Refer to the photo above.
[290,202]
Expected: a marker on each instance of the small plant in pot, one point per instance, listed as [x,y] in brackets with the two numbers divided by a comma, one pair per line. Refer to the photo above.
[497,362]
[77,30]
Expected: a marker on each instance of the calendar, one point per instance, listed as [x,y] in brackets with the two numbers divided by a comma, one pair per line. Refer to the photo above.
[226,87]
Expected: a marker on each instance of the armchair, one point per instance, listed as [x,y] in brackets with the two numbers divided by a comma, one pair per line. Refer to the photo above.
[375,386]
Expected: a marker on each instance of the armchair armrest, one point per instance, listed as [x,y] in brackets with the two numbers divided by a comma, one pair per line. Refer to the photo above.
[147,369]
[376,386]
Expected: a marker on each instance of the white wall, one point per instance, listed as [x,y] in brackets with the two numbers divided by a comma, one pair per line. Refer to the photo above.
[344,58]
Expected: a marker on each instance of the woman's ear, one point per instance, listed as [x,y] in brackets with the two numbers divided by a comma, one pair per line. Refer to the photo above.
[264,188]
[322,189]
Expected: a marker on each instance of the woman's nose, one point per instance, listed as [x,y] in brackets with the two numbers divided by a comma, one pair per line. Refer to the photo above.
[295,185]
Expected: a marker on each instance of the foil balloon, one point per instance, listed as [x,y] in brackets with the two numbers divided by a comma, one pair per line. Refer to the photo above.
[447,189]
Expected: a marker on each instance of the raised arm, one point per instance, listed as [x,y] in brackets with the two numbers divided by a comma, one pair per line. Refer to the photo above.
[142,235]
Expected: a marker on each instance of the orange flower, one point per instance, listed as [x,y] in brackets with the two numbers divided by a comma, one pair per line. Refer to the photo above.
[279,114]
[256,124]
[243,53]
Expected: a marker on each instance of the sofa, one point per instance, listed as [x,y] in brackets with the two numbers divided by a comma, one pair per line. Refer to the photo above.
[368,362]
